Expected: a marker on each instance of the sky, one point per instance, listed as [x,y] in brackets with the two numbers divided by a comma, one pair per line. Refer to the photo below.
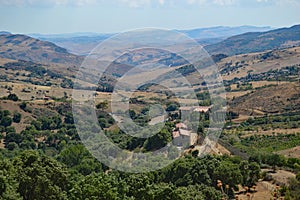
[107,16]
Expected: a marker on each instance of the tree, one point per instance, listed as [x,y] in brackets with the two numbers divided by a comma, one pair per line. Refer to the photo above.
[189,193]
[69,118]
[254,173]
[23,105]
[158,141]
[13,97]
[162,191]
[17,117]
[40,177]
[6,121]
[172,107]
[102,105]
[98,187]
[13,137]
[228,173]
[137,184]
[275,160]
[103,123]
[11,146]
[88,166]
[2,184]
[250,173]
[73,155]
[8,183]
[294,188]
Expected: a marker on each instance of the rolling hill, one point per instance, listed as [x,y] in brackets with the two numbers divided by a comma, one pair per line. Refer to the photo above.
[274,99]
[258,41]
[22,47]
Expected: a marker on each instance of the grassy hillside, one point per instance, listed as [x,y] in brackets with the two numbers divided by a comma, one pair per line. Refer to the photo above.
[274,99]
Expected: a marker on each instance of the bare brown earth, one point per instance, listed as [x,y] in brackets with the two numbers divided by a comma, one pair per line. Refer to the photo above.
[262,192]
[265,189]
[281,177]
[255,85]
[291,153]
[35,91]
[274,99]
[2,146]
[270,132]
[255,63]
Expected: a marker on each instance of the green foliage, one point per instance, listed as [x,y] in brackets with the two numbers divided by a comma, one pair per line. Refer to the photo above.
[250,173]
[105,120]
[102,105]
[31,176]
[172,107]
[60,167]
[271,143]
[8,183]
[6,121]
[98,187]
[158,141]
[13,97]
[67,83]
[17,117]
[294,189]
[79,158]
[229,173]
[23,105]
[48,123]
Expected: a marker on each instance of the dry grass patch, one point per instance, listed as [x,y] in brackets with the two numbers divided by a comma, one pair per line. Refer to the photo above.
[291,153]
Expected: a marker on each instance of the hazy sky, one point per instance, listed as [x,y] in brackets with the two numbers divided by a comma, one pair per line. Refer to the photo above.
[65,16]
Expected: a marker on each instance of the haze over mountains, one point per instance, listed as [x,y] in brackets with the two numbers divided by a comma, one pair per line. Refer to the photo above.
[83,43]
[22,47]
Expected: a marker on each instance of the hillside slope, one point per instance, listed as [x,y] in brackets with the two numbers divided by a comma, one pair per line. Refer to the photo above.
[22,47]
[256,42]
[274,99]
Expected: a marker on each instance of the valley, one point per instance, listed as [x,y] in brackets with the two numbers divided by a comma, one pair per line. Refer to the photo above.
[257,154]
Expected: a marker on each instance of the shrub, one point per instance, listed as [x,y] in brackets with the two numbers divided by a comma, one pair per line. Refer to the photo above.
[17,117]
[13,97]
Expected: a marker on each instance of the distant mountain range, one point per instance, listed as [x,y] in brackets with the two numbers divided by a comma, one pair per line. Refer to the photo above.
[22,47]
[83,43]
[257,41]
[222,31]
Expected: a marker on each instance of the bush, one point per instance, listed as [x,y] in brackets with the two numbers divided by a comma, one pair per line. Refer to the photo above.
[11,146]
[17,117]
[13,97]
[23,105]
[6,121]
[172,107]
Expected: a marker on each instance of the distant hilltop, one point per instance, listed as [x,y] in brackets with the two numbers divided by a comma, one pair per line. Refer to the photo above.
[258,41]
[4,33]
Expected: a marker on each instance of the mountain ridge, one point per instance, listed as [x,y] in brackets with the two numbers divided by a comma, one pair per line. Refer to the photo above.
[258,41]
[23,47]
